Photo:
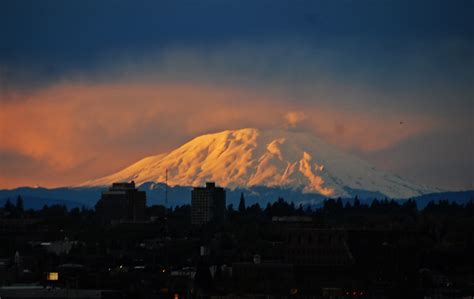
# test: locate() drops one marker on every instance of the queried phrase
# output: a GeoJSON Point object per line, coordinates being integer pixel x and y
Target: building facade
{"type": "Point", "coordinates": [270, 277]}
{"type": "Point", "coordinates": [122, 202]}
{"type": "Point", "coordinates": [207, 204]}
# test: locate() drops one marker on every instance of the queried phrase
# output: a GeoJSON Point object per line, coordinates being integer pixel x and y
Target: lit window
{"type": "Point", "coordinates": [52, 276]}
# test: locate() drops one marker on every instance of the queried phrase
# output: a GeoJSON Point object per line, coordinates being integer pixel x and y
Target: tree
{"type": "Point", "coordinates": [330, 205]}
{"type": "Point", "coordinates": [8, 207]}
{"type": "Point", "coordinates": [281, 208]}
{"type": "Point", "coordinates": [356, 203]}
{"type": "Point", "coordinates": [19, 205]}
{"type": "Point", "coordinates": [339, 204]}
{"type": "Point", "coordinates": [300, 210]}
{"type": "Point", "coordinates": [255, 210]}
{"type": "Point", "coordinates": [268, 210]}
{"type": "Point", "coordinates": [375, 205]}
{"type": "Point", "coordinates": [410, 206]}
{"type": "Point", "coordinates": [242, 203]}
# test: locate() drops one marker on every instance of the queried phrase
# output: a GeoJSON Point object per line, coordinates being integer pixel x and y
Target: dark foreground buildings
{"type": "Point", "coordinates": [304, 261]}
{"type": "Point", "coordinates": [385, 250]}
{"type": "Point", "coordinates": [207, 204]}
{"type": "Point", "coordinates": [122, 203]}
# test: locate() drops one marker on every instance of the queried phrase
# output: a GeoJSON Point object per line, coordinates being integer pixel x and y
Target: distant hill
{"type": "Point", "coordinates": [37, 203]}
{"type": "Point", "coordinates": [37, 197]}
{"type": "Point", "coordinates": [460, 197]}
{"type": "Point", "coordinates": [179, 195]}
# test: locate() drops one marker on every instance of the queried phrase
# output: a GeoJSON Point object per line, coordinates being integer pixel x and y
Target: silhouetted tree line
{"type": "Point", "coordinates": [337, 206]}
{"type": "Point", "coordinates": [16, 210]}
{"type": "Point", "coordinates": [281, 207]}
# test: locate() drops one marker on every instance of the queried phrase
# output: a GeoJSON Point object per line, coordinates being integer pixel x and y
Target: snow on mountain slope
{"type": "Point", "coordinates": [252, 157]}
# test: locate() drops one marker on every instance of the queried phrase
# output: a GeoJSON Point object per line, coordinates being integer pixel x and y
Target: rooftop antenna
{"type": "Point", "coordinates": [166, 206]}
{"type": "Point", "coordinates": [166, 187]}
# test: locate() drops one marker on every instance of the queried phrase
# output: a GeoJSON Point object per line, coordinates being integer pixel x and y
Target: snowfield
{"type": "Point", "coordinates": [273, 158]}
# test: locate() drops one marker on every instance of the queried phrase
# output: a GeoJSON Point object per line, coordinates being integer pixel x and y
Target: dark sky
{"type": "Point", "coordinates": [356, 69]}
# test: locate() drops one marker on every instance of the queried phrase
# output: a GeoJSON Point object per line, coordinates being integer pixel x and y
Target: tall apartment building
{"type": "Point", "coordinates": [207, 204]}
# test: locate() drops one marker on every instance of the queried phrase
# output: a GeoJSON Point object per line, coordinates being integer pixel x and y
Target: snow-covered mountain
{"type": "Point", "coordinates": [273, 158]}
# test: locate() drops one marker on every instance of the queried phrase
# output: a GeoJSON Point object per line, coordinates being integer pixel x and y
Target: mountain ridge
{"type": "Point", "coordinates": [273, 158]}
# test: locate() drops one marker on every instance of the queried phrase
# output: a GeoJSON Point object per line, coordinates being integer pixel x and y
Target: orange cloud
{"type": "Point", "coordinates": [81, 131]}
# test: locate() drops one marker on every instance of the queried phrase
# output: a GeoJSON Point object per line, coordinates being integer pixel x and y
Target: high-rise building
{"type": "Point", "coordinates": [207, 204]}
{"type": "Point", "coordinates": [122, 202]}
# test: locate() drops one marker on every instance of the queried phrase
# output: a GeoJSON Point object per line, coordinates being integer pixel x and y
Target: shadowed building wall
{"type": "Point", "coordinates": [207, 204]}
{"type": "Point", "coordinates": [122, 202]}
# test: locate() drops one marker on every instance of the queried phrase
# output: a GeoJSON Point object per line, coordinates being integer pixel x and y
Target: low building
{"type": "Point", "coordinates": [40, 292]}
{"type": "Point", "coordinates": [270, 277]}
{"type": "Point", "coordinates": [319, 247]}
{"type": "Point", "coordinates": [321, 258]}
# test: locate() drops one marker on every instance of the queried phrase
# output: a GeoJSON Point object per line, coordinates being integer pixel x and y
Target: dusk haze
{"type": "Point", "coordinates": [236, 149]}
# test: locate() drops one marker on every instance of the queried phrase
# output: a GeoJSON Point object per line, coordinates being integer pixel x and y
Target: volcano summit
{"type": "Point", "coordinates": [272, 158]}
